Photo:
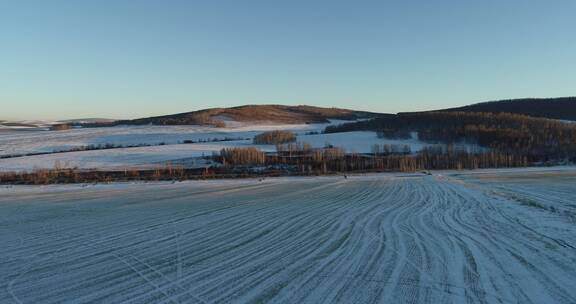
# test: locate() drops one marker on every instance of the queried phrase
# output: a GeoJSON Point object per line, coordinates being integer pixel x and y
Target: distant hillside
{"type": "Point", "coordinates": [276, 114]}
{"type": "Point", "coordinates": [556, 108]}
{"type": "Point", "coordinates": [87, 120]}
{"type": "Point", "coordinates": [24, 125]}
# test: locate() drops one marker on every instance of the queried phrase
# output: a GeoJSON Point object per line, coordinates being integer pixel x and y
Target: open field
{"type": "Point", "coordinates": [491, 236]}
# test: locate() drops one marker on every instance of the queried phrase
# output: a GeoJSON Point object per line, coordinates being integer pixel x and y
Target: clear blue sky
{"type": "Point", "coordinates": [122, 59]}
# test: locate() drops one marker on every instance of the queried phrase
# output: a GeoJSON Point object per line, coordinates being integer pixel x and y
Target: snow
{"type": "Point", "coordinates": [170, 136]}
{"type": "Point", "coordinates": [121, 158]}
{"type": "Point", "coordinates": [381, 238]}
{"type": "Point", "coordinates": [358, 141]}
{"type": "Point", "coordinates": [130, 135]}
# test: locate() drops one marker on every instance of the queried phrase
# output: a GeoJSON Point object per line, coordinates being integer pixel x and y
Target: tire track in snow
{"type": "Point", "coordinates": [375, 239]}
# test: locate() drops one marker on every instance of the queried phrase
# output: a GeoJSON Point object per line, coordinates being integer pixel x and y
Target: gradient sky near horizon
{"type": "Point", "coordinates": [125, 59]}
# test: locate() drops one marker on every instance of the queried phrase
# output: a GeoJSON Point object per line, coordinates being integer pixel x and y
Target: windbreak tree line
{"type": "Point", "coordinates": [302, 158]}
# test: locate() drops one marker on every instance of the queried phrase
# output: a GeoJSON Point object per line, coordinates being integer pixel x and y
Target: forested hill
{"type": "Point", "coordinates": [539, 139]}
{"type": "Point", "coordinates": [556, 108]}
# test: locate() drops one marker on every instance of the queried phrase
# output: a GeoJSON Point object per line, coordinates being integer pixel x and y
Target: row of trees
{"type": "Point", "coordinates": [331, 159]}
{"type": "Point", "coordinates": [241, 157]}
{"type": "Point", "coordinates": [204, 118]}
{"type": "Point", "coordinates": [74, 175]}
{"type": "Point", "coordinates": [387, 149]}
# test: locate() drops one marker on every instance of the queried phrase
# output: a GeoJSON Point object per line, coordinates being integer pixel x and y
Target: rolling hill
{"type": "Point", "coordinates": [563, 108]}
{"type": "Point", "coordinates": [276, 114]}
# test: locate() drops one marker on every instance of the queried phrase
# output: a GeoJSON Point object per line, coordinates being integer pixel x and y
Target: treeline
{"type": "Point", "coordinates": [76, 176]}
{"type": "Point", "coordinates": [301, 158]}
{"type": "Point", "coordinates": [91, 147]}
{"type": "Point", "coordinates": [555, 108]}
{"type": "Point", "coordinates": [215, 139]}
{"type": "Point", "coordinates": [537, 139]}
{"type": "Point", "coordinates": [274, 137]}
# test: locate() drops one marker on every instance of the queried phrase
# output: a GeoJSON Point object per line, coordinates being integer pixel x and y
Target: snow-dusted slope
{"type": "Point", "coordinates": [374, 239]}
{"type": "Point", "coordinates": [25, 125]}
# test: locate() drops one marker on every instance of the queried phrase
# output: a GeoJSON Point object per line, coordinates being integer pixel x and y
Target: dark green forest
{"type": "Point", "coordinates": [537, 139]}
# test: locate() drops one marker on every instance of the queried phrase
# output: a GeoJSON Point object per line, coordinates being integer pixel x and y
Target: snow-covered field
{"type": "Point", "coordinates": [503, 236]}
{"type": "Point", "coordinates": [143, 157]}
{"type": "Point", "coordinates": [26, 142]}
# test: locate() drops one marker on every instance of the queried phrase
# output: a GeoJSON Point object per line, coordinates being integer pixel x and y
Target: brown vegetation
{"type": "Point", "coordinates": [242, 157]}
{"type": "Point", "coordinates": [61, 175]}
{"type": "Point", "coordinates": [69, 176]}
{"type": "Point", "coordinates": [298, 157]}
{"type": "Point", "coordinates": [274, 137]}
{"type": "Point", "coordinates": [60, 127]}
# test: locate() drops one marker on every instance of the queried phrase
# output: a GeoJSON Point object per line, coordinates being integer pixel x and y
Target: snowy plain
{"type": "Point", "coordinates": [21, 142]}
{"type": "Point", "coordinates": [502, 236]}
